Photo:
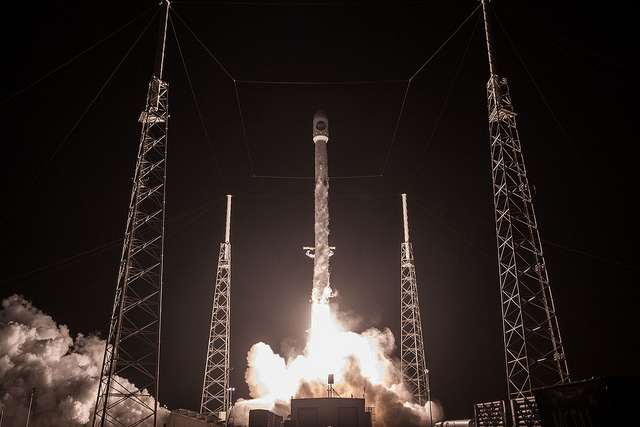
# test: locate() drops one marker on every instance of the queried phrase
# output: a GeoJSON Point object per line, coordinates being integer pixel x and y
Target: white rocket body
{"type": "Point", "coordinates": [321, 288]}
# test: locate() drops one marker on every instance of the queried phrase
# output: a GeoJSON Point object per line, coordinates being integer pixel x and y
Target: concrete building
{"type": "Point", "coordinates": [329, 411]}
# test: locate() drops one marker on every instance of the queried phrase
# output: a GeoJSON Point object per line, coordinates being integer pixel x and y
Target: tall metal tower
{"type": "Point", "coordinates": [128, 386]}
{"type": "Point", "coordinates": [414, 366]}
{"type": "Point", "coordinates": [533, 347]}
{"type": "Point", "coordinates": [215, 389]}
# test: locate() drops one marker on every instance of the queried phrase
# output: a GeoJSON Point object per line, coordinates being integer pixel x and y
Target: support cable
{"type": "Point", "coordinates": [239, 104]}
{"type": "Point", "coordinates": [90, 253]}
{"type": "Point", "coordinates": [75, 125]}
{"type": "Point", "coordinates": [320, 83]}
{"type": "Point", "coordinates": [553, 115]}
{"type": "Point", "coordinates": [400, 113]}
{"type": "Point", "coordinates": [450, 228]}
{"type": "Point", "coordinates": [244, 129]}
{"type": "Point", "coordinates": [446, 101]}
{"type": "Point", "coordinates": [29, 86]}
{"type": "Point", "coordinates": [404, 100]}
{"type": "Point", "coordinates": [204, 46]}
{"type": "Point", "coordinates": [242, 121]}
{"type": "Point", "coordinates": [526, 23]}
{"type": "Point", "coordinates": [195, 100]}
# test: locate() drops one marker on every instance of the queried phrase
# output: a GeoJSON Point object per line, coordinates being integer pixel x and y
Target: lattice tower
{"type": "Point", "coordinates": [129, 377]}
{"type": "Point", "coordinates": [215, 389]}
{"type": "Point", "coordinates": [534, 353]}
{"type": "Point", "coordinates": [413, 363]}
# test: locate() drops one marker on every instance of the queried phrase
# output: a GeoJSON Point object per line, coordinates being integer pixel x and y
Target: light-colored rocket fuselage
{"type": "Point", "coordinates": [321, 288]}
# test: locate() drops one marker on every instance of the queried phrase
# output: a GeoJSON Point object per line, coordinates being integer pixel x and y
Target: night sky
{"type": "Point", "coordinates": [407, 114]}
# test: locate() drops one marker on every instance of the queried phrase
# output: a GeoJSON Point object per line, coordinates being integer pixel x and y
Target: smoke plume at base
{"type": "Point", "coordinates": [361, 364]}
{"type": "Point", "coordinates": [39, 356]}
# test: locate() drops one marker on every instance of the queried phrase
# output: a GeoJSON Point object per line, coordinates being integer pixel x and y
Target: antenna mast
{"type": "Point", "coordinates": [413, 363]}
{"type": "Point", "coordinates": [130, 369]}
{"type": "Point", "coordinates": [215, 397]}
{"type": "Point", "coordinates": [533, 348]}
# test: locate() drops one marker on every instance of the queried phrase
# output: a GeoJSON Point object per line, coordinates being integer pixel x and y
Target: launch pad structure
{"type": "Point", "coordinates": [533, 348]}
{"type": "Point", "coordinates": [215, 389]}
{"type": "Point", "coordinates": [415, 374]}
{"type": "Point", "coordinates": [132, 351]}
{"type": "Point", "coordinates": [534, 353]}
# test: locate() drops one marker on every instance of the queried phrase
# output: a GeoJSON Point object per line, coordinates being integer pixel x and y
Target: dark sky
{"type": "Point", "coordinates": [70, 142]}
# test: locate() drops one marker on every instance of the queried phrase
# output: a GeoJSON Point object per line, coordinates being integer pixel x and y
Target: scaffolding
{"type": "Point", "coordinates": [415, 374]}
{"type": "Point", "coordinates": [215, 388]}
{"type": "Point", "coordinates": [533, 348]}
{"type": "Point", "coordinates": [128, 385]}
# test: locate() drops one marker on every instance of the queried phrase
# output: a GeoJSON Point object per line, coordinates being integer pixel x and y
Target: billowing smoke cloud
{"type": "Point", "coordinates": [362, 366]}
{"type": "Point", "coordinates": [39, 356]}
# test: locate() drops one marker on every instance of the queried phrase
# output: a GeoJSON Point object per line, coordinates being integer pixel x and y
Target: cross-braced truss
{"type": "Point", "coordinates": [533, 348]}
{"type": "Point", "coordinates": [128, 386]}
{"type": "Point", "coordinates": [414, 366]}
{"type": "Point", "coordinates": [216, 377]}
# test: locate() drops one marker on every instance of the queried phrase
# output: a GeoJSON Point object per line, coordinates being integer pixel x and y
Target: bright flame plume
{"type": "Point", "coordinates": [361, 364]}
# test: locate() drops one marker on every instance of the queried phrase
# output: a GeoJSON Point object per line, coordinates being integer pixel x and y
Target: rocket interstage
{"type": "Point", "coordinates": [321, 287]}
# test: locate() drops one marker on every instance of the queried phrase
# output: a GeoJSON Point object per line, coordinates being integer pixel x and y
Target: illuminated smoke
{"type": "Point", "coordinates": [361, 364]}
{"type": "Point", "coordinates": [38, 354]}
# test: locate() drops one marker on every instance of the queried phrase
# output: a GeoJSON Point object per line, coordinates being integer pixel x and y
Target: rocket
{"type": "Point", "coordinates": [321, 288]}
{"type": "Point", "coordinates": [320, 127]}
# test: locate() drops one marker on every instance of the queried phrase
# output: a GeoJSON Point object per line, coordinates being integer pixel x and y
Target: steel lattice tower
{"type": "Point", "coordinates": [413, 363]}
{"type": "Point", "coordinates": [533, 347]}
{"type": "Point", "coordinates": [215, 389]}
{"type": "Point", "coordinates": [128, 386]}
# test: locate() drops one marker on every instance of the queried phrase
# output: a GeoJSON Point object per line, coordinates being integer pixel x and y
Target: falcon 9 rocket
{"type": "Point", "coordinates": [321, 287]}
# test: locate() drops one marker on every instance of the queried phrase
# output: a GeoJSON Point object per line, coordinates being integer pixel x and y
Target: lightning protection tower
{"type": "Point", "coordinates": [414, 366]}
{"type": "Point", "coordinates": [215, 389]}
{"type": "Point", "coordinates": [128, 386]}
{"type": "Point", "coordinates": [533, 347]}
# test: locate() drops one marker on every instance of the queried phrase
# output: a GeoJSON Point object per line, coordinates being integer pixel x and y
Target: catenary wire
{"type": "Point", "coordinates": [404, 100]}
{"type": "Point", "coordinates": [90, 253]}
{"type": "Point", "coordinates": [444, 105]}
{"type": "Point", "coordinates": [195, 100]}
{"type": "Point", "coordinates": [75, 125]}
{"type": "Point", "coordinates": [58, 68]}
{"type": "Point", "coordinates": [553, 115]}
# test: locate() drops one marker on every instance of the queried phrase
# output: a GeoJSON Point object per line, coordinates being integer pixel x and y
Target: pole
{"type": "Point", "coordinates": [33, 390]}
{"type": "Point", "coordinates": [230, 390]}
{"type": "Point", "coordinates": [429, 398]}
{"type": "Point", "coordinates": [228, 228]}
{"type": "Point", "coordinates": [405, 217]}
{"type": "Point", "coordinates": [486, 31]}
{"type": "Point", "coordinates": [162, 39]}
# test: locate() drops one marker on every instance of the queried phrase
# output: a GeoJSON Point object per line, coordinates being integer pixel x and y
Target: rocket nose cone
{"type": "Point", "coordinates": [320, 114]}
{"type": "Point", "coordinates": [320, 126]}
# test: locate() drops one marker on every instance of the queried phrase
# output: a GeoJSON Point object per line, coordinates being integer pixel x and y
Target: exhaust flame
{"type": "Point", "coordinates": [361, 364]}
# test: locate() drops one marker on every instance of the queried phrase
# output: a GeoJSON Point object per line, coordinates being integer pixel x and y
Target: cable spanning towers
{"type": "Point", "coordinates": [215, 389]}
{"type": "Point", "coordinates": [132, 352]}
{"type": "Point", "coordinates": [414, 366]}
{"type": "Point", "coordinates": [533, 347]}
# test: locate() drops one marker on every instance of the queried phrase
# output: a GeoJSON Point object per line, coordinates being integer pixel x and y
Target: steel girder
{"type": "Point", "coordinates": [215, 396]}
{"type": "Point", "coordinates": [413, 363]}
{"type": "Point", "coordinates": [128, 386]}
{"type": "Point", "coordinates": [533, 347]}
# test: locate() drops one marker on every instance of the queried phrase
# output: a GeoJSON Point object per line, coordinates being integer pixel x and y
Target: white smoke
{"type": "Point", "coordinates": [38, 355]}
{"type": "Point", "coordinates": [362, 365]}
